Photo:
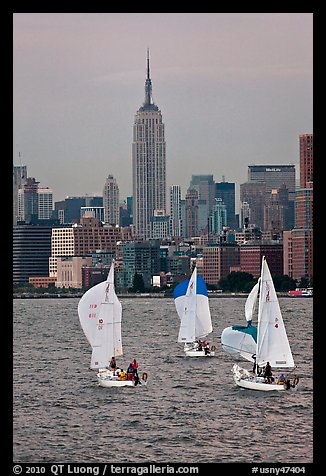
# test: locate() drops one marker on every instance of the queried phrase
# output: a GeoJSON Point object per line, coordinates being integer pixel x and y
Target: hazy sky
{"type": "Point", "coordinates": [235, 89]}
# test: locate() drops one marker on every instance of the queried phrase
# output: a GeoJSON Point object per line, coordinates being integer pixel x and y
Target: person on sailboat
{"type": "Point", "coordinates": [113, 364]}
{"type": "Point", "coordinates": [130, 372]}
{"type": "Point", "coordinates": [281, 380]}
{"type": "Point", "coordinates": [200, 345]}
{"type": "Point", "coordinates": [268, 372]}
{"type": "Point", "coordinates": [134, 365]}
{"type": "Point", "coordinates": [206, 348]}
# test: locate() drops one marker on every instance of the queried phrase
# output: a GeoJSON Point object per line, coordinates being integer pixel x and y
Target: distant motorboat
{"type": "Point", "coordinates": [301, 292]}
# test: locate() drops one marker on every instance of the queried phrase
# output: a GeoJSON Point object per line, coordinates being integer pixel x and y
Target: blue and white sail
{"type": "Point", "coordinates": [192, 305]}
{"type": "Point", "coordinates": [242, 340]}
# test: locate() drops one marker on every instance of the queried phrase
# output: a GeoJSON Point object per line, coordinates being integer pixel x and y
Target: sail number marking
{"type": "Point", "coordinates": [92, 314]}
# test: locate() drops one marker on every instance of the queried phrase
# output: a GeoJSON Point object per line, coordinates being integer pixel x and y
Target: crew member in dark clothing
{"type": "Point", "coordinates": [268, 372]}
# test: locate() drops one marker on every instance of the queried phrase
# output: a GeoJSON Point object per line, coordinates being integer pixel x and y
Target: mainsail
{"type": "Point", "coordinates": [100, 314]}
{"type": "Point", "coordinates": [192, 305]}
{"type": "Point", "coordinates": [272, 342]}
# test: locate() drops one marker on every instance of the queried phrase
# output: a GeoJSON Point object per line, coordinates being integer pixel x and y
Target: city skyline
{"type": "Point", "coordinates": [235, 90]}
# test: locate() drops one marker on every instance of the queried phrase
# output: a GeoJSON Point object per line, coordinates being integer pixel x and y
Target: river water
{"type": "Point", "coordinates": [189, 412]}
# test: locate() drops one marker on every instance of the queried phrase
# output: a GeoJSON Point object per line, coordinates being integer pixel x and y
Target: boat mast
{"type": "Point", "coordinates": [259, 312]}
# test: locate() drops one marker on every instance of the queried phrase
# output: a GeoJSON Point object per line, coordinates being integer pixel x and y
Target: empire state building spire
{"type": "Point", "coordinates": [148, 103]}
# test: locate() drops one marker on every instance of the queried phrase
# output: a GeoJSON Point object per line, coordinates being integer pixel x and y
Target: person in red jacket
{"type": "Point", "coordinates": [135, 366]}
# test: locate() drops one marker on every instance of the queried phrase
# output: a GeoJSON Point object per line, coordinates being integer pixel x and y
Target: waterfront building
{"type": "Point", "coordinates": [251, 254]}
{"type": "Point", "coordinates": [148, 163]}
{"type": "Point", "coordinates": [141, 257]}
{"type": "Point", "coordinates": [42, 281]}
{"type": "Point", "coordinates": [31, 251]}
{"type": "Point", "coordinates": [218, 261]}
{"type": "Point", "coordinates": [300, 242]}
{"type": "Point", "coordinates": [84, 239]}
{"type": "Point", "coordinates": [69, 273]}
{"type": "Point", "coordinates": [111, 201]}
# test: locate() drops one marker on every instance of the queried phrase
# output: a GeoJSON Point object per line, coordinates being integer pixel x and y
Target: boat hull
{"type": "Point", "coordinates": [107, 382]}
{"type": "Point", "coordinates": [107, 378]}
{"type": "Point", "coordinates": [254, 385]}
{"type": "Point", "coordinates": [243, 379]}
{"type": "Point", "coordinates": [198, 353]}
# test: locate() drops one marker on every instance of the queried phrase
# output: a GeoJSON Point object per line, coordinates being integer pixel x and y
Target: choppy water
{"type": "Point", "coordinates": [190, 412]}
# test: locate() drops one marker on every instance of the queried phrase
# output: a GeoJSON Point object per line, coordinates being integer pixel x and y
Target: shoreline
{"type": "Point", "coordinates": [140, 295]}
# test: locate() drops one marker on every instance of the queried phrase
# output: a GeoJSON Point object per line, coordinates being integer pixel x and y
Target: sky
{"type": "Point", "coordinates": [234, 89]}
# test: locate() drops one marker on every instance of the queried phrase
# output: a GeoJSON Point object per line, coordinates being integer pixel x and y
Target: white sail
{"type": "Point", "coordinates": [272, 342]}
{"type": "Point", "coordinates": [191, 302]}
{"type": "Point", "coordinates": [100, 315]}
{"type": "Point", "coordinates": [251, 301]}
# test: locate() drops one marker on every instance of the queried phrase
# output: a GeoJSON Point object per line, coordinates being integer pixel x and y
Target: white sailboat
{"type": "Point", "coordinates": [242, 340]}
{"type": "Point", "coordinates": [272, 341]}
{"type": "Point", "coordinates": [191, 302]}
{"type": "Point", "coordinates": [100, 314]}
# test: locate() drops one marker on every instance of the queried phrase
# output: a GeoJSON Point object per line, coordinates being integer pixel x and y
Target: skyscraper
{"type": "Point", "coordinates": [175, 211]}
{"type": "Point", "coordinates": [226, 191]}
{"type": "Point", "coordinates": [19, 179]}
{"type": "Point", "coordinates": [111, 201]}
{"type": "Point", "coordinates": [148, 163]}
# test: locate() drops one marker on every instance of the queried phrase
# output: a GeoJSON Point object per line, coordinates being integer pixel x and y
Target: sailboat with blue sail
{"type": "Point", "coordinates": [192, 305]}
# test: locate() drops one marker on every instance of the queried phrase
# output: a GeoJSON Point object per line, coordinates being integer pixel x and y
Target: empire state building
{"type": "Point", "coordinates": [148, 164]}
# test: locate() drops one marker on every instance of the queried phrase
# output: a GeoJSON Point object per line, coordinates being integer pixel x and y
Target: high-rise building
{"type": "Point", "coordinates": [218, 217]}
{"type": "Point", "coordinates": [205, 186]}
{"type": "Point", "coordinates": [191, 213]}
{"type": "Point", "coordinates": [274, 176]}
{"type": "Point", "coordinates": [252, 194]}
{"type": "Point", "coordinates": [45, 203]}
{"type": "Point", "coordinates": [19, 179]}
{"type": "Point", "coordinates": [111, 201]}
{"type": "Point", "coordinates": [31, 251]}
{"type": "Point", "coordinates": [301, 239]}
{"type": "Point", "coordinates": [306, 159]}
{"type": "Point", "coordinates": [28, 201]}
{"type": "Point", "coordinates": [226, 192]}
{"type": "Point", "coordinates": [175, 211]}
{"type": "Point", "coordinates": [148, 163]}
